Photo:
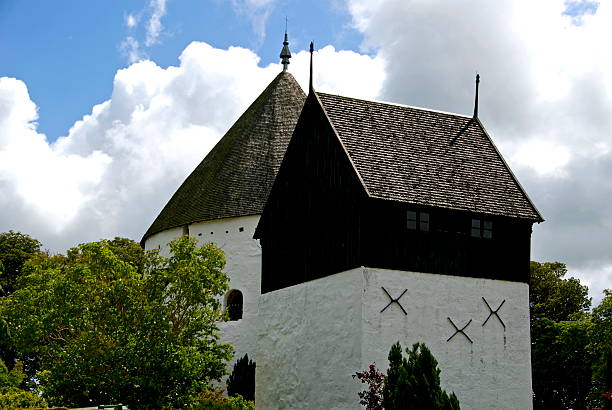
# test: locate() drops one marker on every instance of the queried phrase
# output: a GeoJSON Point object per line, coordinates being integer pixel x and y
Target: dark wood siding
{"type": "Point", "coordinates": [310, 225]}
{"type": "Point", "coordinates": [318, 221]}
{"type": "Point", "coordinates": [447, 247]}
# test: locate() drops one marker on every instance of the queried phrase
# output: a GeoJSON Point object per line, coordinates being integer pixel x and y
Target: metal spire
{"type": "Point", "coordinates": [285, 54]}
{"type": "Point", "coordinates": [476, 99]}
{"type": "Point", "coordinates": [310, 85]}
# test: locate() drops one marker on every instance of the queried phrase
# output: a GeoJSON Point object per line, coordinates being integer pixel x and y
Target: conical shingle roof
{"type": "Point", "coordinates": [236, 176]}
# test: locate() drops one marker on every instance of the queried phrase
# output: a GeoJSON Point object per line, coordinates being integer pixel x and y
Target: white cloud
{"type": "Point", "coordinates": [131, 20]}
{"type": "Point", "coordinates": [118, 166]}
{"type": "Point", "coordinates": [545, 97]}
{"type": "Point", "coordinates": [258, 12]}
{"type": "Point", "coordinates": [131, 49]}
{"type": "Point", "coordinates": [154, 26]}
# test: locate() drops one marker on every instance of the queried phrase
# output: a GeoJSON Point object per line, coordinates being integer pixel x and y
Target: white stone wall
{"type": "Point", "coordinates": [243, 255]}
{"type": "Point", "coordinates": [313, 336]}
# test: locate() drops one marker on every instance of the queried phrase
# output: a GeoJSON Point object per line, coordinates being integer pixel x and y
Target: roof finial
{"type": "Point", "coordinates": [285, 54]}
{"type": "Point", "coordinates": [310, 85]}
{"type": "Point", "coordinates": [476, 99]}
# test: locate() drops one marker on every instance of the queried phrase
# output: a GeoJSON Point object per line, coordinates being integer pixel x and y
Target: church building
{"type": "Point", "coordinates": [349, 225]}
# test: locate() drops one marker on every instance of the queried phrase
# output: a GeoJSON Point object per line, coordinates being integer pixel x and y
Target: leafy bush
{"type": "Point", "coordinates": [214, 400]}
{"type": "Point", "coordinates": [414, 382]}
{"type": "Point", "coordinates": [242, 380]}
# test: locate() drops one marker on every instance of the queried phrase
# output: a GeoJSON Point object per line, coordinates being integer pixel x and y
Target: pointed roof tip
{"type": "Point", "coordinates": [310, 84]}
{"type": "Point", "coordinates": [285, 54]}
{"type": "Point", "coordinates": [235, 177]}
{"type": "Point", "coordinates": [476, 97]}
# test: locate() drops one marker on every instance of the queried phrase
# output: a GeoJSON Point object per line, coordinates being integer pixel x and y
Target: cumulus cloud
{"type": "Point", "coordinates": [118, 166]}
{"type": "Point", "coordinates": [545, 96]}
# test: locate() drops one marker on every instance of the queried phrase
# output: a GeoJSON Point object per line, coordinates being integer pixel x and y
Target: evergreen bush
{"type": "Point", "coordinates": [414, 382]}
{"type": "Point", "coordinates": [242, 380]}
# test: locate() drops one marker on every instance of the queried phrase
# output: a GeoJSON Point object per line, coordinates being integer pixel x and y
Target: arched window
{"type": "Point", "coordinates": [233, 304]}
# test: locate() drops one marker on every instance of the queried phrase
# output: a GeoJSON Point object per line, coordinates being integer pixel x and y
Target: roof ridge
{"type": "Point", "coordinates": [397, 105]}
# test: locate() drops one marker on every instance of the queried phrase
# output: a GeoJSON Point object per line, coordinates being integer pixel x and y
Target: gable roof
{"type": "Point", "coordinates": [426, 157]}
{"type": "Point", "coordinates": [236, 176]}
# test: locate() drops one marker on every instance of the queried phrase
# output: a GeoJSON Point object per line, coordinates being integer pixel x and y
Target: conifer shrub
{"type": "Point", "coordinates": [413, 382]}
{"type": "Point", "coordinates": [242, 380]}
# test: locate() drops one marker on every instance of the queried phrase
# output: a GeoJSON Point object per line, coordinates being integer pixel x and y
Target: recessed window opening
{"type": "Point", "coordinates": [482, 228]}
{"type": "Point", "coordinates": [418, 221]}
{"type": "Point", "coordinates": [233, 304]}
{"type": "Point", "coordinates": [241, 229]}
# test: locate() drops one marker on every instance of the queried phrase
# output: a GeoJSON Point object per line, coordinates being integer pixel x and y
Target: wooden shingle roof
{"type": "Point", "coordinates": [426, 158]}
{"type": "Point", "coordinates": [236, 176]}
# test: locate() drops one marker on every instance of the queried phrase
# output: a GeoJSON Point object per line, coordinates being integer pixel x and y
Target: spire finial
{"type": "Point", "coordinates": [285, 54]}
{"type": "Point", "coordinates": [310, 85]}
{"type": "Point", "coordinates": [476, 98]}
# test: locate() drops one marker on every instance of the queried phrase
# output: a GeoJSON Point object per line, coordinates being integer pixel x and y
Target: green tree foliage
{"type": "Point", "coordinates": [561, 364]}
{"type": "Point", "coordinates": [601, 345]}
{"type": "Point", "coordinates": [242, 380]}
{"type": "Point", "coordinates": [553, 297]}
{"type": "Point", "coordinates": [414, 382]}
{"type": "Point", "coordinates": [11, 397]}
{"type": "Point", "coordinates": [568, 344]}
{"type": "Point", "coordinates": [15, 249]}
{"type": "Point", "coordinates": [111, 323]}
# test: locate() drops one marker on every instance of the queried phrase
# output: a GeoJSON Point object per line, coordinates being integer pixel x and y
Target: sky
{"type": "Point", "coordinates": [106, 106]}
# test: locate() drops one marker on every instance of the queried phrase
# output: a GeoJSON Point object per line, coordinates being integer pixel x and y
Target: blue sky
{"type": "Point", "coordinates": [106, 106]}
{"type": "Point", "coordinates": [68, 51]}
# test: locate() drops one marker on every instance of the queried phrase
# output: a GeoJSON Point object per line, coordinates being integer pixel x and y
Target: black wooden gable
{"type": "Point", "coordinates": [387, 186]}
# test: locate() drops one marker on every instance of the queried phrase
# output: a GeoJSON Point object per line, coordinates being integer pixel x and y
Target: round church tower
{"type": "Point", "coordinates": [221, 201]}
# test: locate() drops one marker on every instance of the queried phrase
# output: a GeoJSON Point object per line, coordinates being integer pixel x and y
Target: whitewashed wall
{"type": "Point", "coordinates": [243, 255]}
{"type": "Point", "coordinates": [313, 336]}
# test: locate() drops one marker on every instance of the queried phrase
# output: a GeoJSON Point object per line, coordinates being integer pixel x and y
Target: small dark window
{"type": "Point", "coordinates": [482, 228]}
{"type": "Point", "coordinates": [418, 221]}
{"type": "Point", "coordinates": [476, 228]}
{"type": "Point", "coordinates": [424, 221]}
{"type": "Point", "coordinates": [185, 230]}
{"type": "Point", "coordinates": [412, 220]}
{"type": "Point", "coordinates": [241, 229]}
{"type": "Point", "coordinates": [487, 231]}
{"type": "Point", "coordinates": [234, 304]}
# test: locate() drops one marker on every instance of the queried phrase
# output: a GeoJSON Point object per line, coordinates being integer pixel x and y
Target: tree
{"type": "Point", "coordinates": [111, 323]}
{"type": "Point", "coordinates": [564, 344]}
{"type": "Point", "coordinates": [553, 297]}
{"type": "Point", "coordinates": [561, 364]}
{"type": "Point", "coordinates": [11, 397]}
{"type": "Point", "coordinates": [372, 398]}
{"type": "Point", "coordinates": [242, 380]}
{"type": "Point", "coordinates": [601, 345]}
{"type": "Point", "coordinates": [15, 249]}
{"type": "Point", "coordinates": [414, 382]}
